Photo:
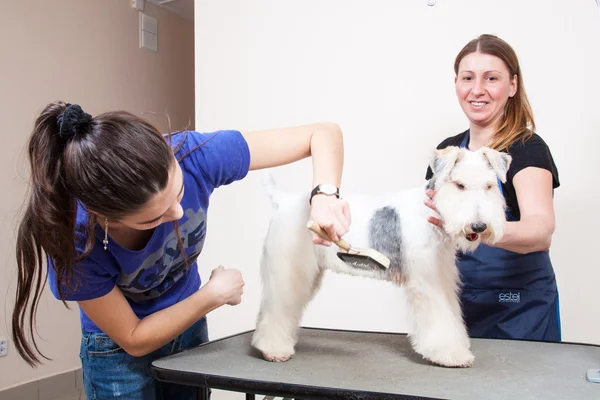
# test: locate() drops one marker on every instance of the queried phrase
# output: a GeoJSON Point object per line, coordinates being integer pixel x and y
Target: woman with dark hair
{"type": "Point", "coordinates": [119, 214]}
{"type": "Point", "coordinates": [509, 290]}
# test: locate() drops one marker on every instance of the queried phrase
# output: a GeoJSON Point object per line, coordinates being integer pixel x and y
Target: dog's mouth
{"type": "Point", "coordinates": [471, 237]}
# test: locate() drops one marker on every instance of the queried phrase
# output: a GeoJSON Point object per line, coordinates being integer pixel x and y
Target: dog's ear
{"type": "Point", "coordinates": [443, 161]}
{"type": "Point", "coordinates": [498, 161]}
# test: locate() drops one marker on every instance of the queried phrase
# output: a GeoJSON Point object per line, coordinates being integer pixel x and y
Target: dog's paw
{"type": "Point", "coordinates": [273, 355]}
{"type": "Point", "coordinates": [276, 357]}
{"type": "Point", "coordinates": [273, 349]}
{"type": "Point", "coordinates": [457, 358]}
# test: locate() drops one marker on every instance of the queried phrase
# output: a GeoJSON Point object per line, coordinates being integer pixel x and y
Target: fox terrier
{"type": "Point", "coordinates": [422, 255]}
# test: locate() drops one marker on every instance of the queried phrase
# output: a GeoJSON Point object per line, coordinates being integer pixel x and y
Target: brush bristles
{"type": "Point", "coordinates": [361, 262]}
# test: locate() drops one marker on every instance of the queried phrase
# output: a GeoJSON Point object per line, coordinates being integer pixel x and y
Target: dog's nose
{"type": "Point", "coordinates": [478, 227]}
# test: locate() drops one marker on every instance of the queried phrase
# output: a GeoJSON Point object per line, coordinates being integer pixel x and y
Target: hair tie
{"type": "Point", "coordinates": [72, 121]}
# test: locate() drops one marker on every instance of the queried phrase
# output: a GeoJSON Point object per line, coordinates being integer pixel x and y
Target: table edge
{"type": "Point", "coordinates": [269, 388]}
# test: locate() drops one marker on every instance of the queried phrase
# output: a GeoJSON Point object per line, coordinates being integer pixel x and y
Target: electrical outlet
{"type": "Point", "coordinates": [3, 347]}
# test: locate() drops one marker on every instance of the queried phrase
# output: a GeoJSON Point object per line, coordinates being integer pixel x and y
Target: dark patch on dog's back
{"type": "Point", "coordinates": [384, 235]}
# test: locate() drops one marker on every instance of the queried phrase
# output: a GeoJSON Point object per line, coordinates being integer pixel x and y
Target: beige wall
{"type": "Point", "coordinates": [86, 52]}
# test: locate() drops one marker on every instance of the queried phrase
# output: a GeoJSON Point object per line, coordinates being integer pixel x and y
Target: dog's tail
{"type": "Point", "coordinates": [271, 188]}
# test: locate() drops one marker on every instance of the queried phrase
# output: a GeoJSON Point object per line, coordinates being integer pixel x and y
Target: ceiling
{"type": "Point", "coordinates": [185, 8]}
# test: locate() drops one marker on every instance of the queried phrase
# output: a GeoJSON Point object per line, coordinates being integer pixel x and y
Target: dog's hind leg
{"type": "Point", "coordinates": [291, 277]}
{"type": "Point", "coordinates": [438, 332]}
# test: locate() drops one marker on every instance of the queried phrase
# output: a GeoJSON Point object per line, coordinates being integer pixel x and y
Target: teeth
{"type": "Point", "coordinates": [478, 103]}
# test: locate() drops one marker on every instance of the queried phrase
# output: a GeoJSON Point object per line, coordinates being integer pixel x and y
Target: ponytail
{"type": "Point", "coordinates": [48, 224]}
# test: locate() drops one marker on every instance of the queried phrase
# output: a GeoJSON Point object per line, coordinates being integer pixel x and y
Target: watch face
{"type": "Point", "coordinates": [328, 189]}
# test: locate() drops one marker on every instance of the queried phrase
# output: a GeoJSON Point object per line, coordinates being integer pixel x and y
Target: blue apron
{"type": "Point", "coordinates": [508, 295]}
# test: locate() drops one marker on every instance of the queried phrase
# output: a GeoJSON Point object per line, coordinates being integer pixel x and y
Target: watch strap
{"type": "Point", "coordinates": [327, 189]}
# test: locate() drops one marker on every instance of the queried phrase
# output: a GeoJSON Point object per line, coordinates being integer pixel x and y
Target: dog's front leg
{"type": "Point", "coordinates": [438, 332]}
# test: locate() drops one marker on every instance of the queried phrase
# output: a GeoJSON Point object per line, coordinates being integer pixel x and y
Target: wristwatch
{"type": "Point", "coordinates": [325, 188]}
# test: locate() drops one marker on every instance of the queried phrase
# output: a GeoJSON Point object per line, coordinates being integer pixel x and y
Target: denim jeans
{"type": "Point", "coordinates": [109, 372]}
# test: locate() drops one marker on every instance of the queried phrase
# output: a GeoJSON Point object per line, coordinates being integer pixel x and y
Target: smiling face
{"type": "Point", "coordinates": [483, 87]}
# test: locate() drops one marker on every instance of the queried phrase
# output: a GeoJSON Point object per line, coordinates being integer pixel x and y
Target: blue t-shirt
{"type": "Point", "coordinates": [155, 277]}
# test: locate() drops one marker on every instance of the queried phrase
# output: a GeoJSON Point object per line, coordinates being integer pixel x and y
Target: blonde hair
{"type": "Point", "coordinates": [517, 121]}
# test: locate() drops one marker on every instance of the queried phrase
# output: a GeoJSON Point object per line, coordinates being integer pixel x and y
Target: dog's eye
{"type": "Point", "coordinates": [460, 185]}
{"type": "Point", "coordinates": [489, 186]}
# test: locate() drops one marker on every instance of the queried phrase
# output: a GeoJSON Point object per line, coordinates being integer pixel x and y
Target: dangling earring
{"type": "Point", "coordinates": [105, 241]}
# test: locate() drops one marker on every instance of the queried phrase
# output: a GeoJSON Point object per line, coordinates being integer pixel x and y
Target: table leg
{"type": "Point", "coordinates": [204, 393]}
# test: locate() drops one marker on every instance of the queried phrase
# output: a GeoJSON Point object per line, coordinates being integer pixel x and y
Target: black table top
{"type": "Point", "coordinates": [368, 365]}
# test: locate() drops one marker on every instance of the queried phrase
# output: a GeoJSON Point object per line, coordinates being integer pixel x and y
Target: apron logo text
{"type": "Point", "coordinates": [509, 297]}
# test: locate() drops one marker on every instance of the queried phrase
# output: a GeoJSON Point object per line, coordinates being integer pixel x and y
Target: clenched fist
{"type": "Point", "coordinates": [227, 285]}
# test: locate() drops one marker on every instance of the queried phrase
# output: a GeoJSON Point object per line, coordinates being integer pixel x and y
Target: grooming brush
{"type": "Point", "coordinates": [367, 259]}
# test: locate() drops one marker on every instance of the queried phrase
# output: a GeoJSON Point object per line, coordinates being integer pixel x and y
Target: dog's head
{"type": "Point", "coordinates": [467, 194]}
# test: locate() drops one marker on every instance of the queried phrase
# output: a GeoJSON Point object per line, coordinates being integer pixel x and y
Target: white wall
{"type": "Point", "coordinates": [382, 69]}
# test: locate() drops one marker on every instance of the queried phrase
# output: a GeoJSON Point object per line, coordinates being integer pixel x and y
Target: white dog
{"type": "Point", "coordinates": [422, 255]}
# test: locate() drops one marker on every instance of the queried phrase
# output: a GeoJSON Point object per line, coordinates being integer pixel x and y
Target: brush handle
{"type": "Point", "coordinates": [313, 226]}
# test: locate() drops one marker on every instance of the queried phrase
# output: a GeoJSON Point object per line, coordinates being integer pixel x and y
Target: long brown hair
{"type": "Point", "coordinates": [112, 164]}
{"type": "Point", "coordinates": [517, 121]}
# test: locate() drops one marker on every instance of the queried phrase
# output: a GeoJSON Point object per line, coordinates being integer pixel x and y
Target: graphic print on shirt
{"type": "Point", "coordinates": [163, 268]}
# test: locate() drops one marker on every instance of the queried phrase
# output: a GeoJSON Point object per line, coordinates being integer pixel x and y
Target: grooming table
{"type": "Point", "coordinates": [335, 364]}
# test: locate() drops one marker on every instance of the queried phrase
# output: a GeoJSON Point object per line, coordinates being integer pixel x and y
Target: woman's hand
{"type": "Point", "coordinates": [332, 215]}
{"type": "Point", "coordinates": [429, 203]}
{"type": "Point", "coordinates": [226, 285]}
{"type": "Point", "coordinates": [534, 230]}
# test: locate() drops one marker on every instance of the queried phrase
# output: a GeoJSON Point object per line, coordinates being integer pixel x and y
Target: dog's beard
{"type": "Point", "coordinates": [458, 218]}
{"type": "Point", "coordinates": [492, 235]}
{"type": "Point", "coordinates": [467, 245]}
{"type": "Point", "coordinates": [467, 241]}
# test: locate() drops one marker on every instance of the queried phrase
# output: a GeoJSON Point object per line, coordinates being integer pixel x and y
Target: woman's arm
{"type": "Point", "coordinates": [324, 143]}
{"type": "Point", "coordinates": [533, 232]}
{"type": "Point", "coordinates": [113, 314]}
